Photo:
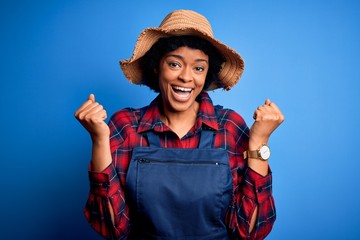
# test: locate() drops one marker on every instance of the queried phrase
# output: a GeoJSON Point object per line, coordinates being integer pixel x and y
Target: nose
{"type": "Point", "coordinates": [186, 74]}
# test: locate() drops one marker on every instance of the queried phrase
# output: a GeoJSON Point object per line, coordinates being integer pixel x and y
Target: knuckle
{"type": "Point", "coordinates": [88, 118]}
{"type": "Point", "coordinates": [81, 116]}
{"type": "Point", "coordinates": [260, 118]}
{"type": "Point", "coordinates": [279, 118]}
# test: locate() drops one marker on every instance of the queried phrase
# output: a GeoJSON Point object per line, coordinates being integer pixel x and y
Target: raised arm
{"type": "Point", "coordinates": [92, 116]}
{"type": "Point", "coordinates": [267, 118]}
{"type": "Point", "coordinates": [105, 209]}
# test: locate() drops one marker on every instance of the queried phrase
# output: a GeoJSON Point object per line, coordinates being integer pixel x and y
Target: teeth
{"type": "Point", "coordinates": [182, 89]}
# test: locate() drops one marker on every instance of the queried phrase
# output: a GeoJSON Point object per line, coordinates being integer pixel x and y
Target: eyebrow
{"type": "Point", "coordinates": [180, 57]}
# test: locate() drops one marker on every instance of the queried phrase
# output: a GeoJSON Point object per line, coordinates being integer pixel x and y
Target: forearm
{"type": "Point", "coordinates": [108, 215]}
{"type": "Point", "coordinates": [101, 159]}
{"type": "Point", "coordinates": [254, 207]}
{"type": "Point", "coordinates": [259, 166]}
{"type": "Point", "coordinates": [253, 219]}
{"type": "Point", "coordinates": [101, 154]}
{"type": "Point", "coordinates": [263, 218]}
{"type": "Point", "coordinates": [106, 210]}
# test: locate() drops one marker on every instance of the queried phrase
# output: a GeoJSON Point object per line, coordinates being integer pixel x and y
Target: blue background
{"type": "Point", "coordinates": [304, 55]}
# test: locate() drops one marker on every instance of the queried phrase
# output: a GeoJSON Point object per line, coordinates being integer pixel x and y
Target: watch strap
{"type": "Point", "coordinates": [251, 154]}
{"type": "Point", "coordinates": [255, 154]}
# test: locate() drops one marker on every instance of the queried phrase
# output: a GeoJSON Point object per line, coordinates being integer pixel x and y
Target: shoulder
{"type": "Point", "coordinates": [225, 116]}
{"type": "Point", "coordinates": [125, 116]}
{"type": "Point", "coordinates": [228, 117]}
{"type": "Point", "coordinates": [233, 133]}
{"type": "Point", "coordinates": [231, 123]}
{"type": "Point", "coordinates": [124, 122]}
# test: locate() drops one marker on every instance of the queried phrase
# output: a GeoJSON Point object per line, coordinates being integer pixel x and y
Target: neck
{"type": "Point", "coordinates": [180, 122]}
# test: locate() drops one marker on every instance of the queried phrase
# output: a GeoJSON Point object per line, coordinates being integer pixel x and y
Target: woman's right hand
{"type": "Point", "coordinates": [92, 116]}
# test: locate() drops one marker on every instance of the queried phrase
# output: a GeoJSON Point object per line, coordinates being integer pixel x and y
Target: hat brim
{"type": "Point", "coordinates": [231, 71]}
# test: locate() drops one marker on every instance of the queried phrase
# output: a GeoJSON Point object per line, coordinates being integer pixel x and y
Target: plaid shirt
{"type": "Point", "coordinates": [126, 126]}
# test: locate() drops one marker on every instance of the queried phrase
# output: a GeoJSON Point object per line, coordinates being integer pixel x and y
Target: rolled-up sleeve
{"type": "Point", "coordinates": [257, 187]}
{"type": "Point", "coordinates": [251, 190]}
{"type": "Point", "coordinates": [105, 193]}
{"type": "Point", "coordinates": [254, 191]}
{"type": "Point", "coordinates": [105, 183]}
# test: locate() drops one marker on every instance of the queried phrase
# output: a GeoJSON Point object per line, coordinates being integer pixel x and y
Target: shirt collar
{"type": "Point", "coordinates": [206, 115]}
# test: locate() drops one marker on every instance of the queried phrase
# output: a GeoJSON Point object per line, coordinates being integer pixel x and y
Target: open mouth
{"type": "Point", "coordinates": [182, 92]}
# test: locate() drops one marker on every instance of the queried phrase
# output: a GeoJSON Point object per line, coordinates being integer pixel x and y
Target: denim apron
{"type": "Point", "coordinates": [179, 193]}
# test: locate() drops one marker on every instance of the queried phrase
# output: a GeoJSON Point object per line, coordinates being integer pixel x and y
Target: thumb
{"type": "Point", "coordinates": [91, 97]}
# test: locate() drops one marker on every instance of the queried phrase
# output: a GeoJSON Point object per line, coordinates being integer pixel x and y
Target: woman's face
{"type": "Point", "coordinates": [182, 75]}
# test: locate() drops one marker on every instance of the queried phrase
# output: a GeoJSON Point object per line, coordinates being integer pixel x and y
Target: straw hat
{"type": "Point", "coordinates": [185, 22]}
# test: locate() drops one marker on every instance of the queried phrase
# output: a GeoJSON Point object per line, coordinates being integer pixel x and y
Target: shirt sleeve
{"type": "Point", "coordinates": [251, 190]}
{"type": "Point", "coordinates": [107, 193]}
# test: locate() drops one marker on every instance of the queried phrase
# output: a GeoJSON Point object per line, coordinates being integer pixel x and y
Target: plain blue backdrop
{"type": "Point", "coordinates": [304, 55]}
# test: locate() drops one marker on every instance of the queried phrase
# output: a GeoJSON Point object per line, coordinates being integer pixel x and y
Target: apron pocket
{"type": "Point", "coordinates": [181, 198]}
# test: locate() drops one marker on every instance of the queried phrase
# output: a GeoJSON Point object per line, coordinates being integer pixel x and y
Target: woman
{"type": "Point", "coordinates": [180, 168]}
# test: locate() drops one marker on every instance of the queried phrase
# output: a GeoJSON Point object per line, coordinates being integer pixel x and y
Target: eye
{"type": "Point", "coordinates": [199, 69]}
{"type": "Point", "coordinates": [174, 64]}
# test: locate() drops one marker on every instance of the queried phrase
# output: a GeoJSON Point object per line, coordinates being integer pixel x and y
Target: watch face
{"type": "Point", "coordinates": [265, 152]}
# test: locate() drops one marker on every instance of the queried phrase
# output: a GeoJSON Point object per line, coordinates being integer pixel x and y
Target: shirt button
{"type": "Point", "coordinates": [260, 189]}
{"type": "Point", "coordinates": [105, 185]}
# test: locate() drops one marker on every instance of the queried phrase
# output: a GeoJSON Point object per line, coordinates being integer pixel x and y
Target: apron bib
{"type": "Point", "coordinates": [179, 193]}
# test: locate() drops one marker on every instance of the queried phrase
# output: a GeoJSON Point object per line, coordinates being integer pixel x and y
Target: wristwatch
{"type": "Point", "coordinates": [263, 153]}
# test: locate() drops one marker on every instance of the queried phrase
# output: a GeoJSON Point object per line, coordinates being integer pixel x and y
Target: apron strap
{"type": "Point", "coordinates": [153, 138]}
{"type": "Point", "coordinates": [206, 139]}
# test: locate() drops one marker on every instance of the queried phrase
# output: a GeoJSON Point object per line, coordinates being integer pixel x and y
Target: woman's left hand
{"type": "Point", "coordinates": [267, 118]}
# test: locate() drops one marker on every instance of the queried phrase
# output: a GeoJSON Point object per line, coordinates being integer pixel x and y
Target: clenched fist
{"type": "Point", "coordinates": [267, 118]}
{"type": "Point", "coordinates": [92, 116]}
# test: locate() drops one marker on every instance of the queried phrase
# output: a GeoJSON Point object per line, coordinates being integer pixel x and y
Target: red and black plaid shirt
{"type": "Point", "coordinates": [250, 188]}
